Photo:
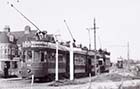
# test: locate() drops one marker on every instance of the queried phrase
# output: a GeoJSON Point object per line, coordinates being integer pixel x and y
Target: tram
{"type": "Point", "coordinates": [104, 61]}
{"type": "Point", "coordinates": [38, 59]}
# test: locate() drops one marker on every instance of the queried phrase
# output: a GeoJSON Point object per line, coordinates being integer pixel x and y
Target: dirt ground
{"type": "Point", "coordinates": [115, 79]}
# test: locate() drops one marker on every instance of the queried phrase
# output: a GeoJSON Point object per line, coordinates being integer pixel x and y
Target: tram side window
{"type": "Point", "coordinates": [23, 56]}
{"type": "Point", "coordinates": [60, 57]}
{"type": "Point", "coordinates": [79, 59]}
{"type": "Point", "coordinates": [29, 55]}
{"type": "Point", "coordinates": [42, 56]}
{"type": "Point", "coordinates": [51, 57]}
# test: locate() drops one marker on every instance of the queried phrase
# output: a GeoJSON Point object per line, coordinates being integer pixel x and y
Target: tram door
{"type": "Point", "coordinates": [67, 66]}
{"type": "Point", "coordinates": [88, 65]}
{"type": "Point", "coordinates": [43, 56]}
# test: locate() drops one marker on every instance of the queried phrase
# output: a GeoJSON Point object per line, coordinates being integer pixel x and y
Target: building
{"type": "Point", "coordinates": [8, 50]}
{"type": "Point", "coordinates": [11, 48]}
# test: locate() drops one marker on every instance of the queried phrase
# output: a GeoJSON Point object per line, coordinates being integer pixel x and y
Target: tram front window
{"type": "Point", "coordinates": [29, 55]}
{"type": "Point", "coordinates": [42, 56]}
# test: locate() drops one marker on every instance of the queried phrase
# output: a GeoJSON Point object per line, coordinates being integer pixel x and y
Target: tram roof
{"type": "Point", "coordinates": [44, 45]}
{"type": "Point", "coordinates": [49, 45]}
{"type": "Point", "coordinates": [79, 50]}
{"type": "Point", "coordinates": [8, 60]}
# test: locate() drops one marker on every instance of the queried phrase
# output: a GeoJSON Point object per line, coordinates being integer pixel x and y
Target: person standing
{"type": "Point", "coordinates": [6, 70]}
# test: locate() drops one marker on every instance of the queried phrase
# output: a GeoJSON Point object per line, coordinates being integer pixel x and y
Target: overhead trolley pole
{"type": "Point", "coordinates": [29, 22]}
{"type": "Point", "coordinates": [25, 17]}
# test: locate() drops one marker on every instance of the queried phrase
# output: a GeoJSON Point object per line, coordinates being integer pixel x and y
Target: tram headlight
{"type": "Point", "coordinates": [28, 70]}
{"type": "Point", "coordinates": [20, 72]}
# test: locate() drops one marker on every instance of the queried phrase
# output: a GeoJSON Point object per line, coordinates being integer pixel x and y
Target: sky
{"type": "Point", "coordinates": [118, 21]}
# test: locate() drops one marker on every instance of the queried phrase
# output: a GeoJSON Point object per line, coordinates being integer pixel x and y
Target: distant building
{"type": "Point", "coordinates": [11, 44]}
{"type": "Point", "coordinates": [8, 50]}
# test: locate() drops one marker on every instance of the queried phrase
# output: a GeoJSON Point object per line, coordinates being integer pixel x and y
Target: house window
{"type": "Point", "coordinates": [11, 38]}
{"type": "Point", "coordinates": [14, 65]}
{"type": "Point", "coordinates": [5, 51]}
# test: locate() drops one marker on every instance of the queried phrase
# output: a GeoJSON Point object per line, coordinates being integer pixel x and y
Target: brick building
{"type": "Point", "coordinates": [8, 50]}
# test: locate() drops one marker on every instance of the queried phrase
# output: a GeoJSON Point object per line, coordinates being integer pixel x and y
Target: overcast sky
{"type": "Point", "coordinates": [118, 21]}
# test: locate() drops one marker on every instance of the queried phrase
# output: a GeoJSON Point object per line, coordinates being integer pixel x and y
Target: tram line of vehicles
{"type": "Point", "coordinates": [38, 59]}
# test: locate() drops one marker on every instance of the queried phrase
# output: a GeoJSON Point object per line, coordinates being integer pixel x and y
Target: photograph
{"type": "Point", "coordinates": [69, 44]}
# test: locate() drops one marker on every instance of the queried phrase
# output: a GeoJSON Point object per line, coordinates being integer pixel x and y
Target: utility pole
{"type": "Point", "coordinates": [128, 63]}
{"type": "Point", "coordinates": [56, 63]}
{"type": "Point", "coordinates": [128, 51]}
{"type": "Point", "coordinates": [89, 38]}
{"type": "Point", "coordinates": [71, 53]}
{"type": "Point", "coordinates": [89, 48]}
{"type": "Point", "coordinates": [95, 56]}
{"type": "Point", "coordinates": [71, 62]}
{"type": "Point", "coordinates": [56, 58]}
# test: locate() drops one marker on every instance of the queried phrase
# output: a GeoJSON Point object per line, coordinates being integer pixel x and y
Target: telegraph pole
{"type": "Point", "coordinates": [89, 47]}
{"type": "Point", "coordinates": [56, 58]}
{"type": "Point", "coordinates": [128, 51]}
{"type": "Point", "coordinates": [94, 34]}
{"type": "Point", "coordinates": [95, 56]}
{"type": "Point", "coordinates": [71, 53]}
{"type": "Point", "coordinates": [56, 63]}
{"type": "Point", "coordinates": [89, 38]}
{"type": "Point", "coordinates": [71, 62]}
{"type": "Point", "coordinates": [128, 63]}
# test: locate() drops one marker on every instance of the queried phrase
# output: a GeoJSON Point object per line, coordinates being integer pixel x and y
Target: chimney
{"type": "Point", "coordinates": [6, 28]}
{"type": "Point", "coordinates": [27, 29]}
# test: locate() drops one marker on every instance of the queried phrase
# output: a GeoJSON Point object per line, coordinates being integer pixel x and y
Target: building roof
{"type": "Point", "coordinates": [4, 38]}
{"type": "Point", "coordinates": [21, 36]}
